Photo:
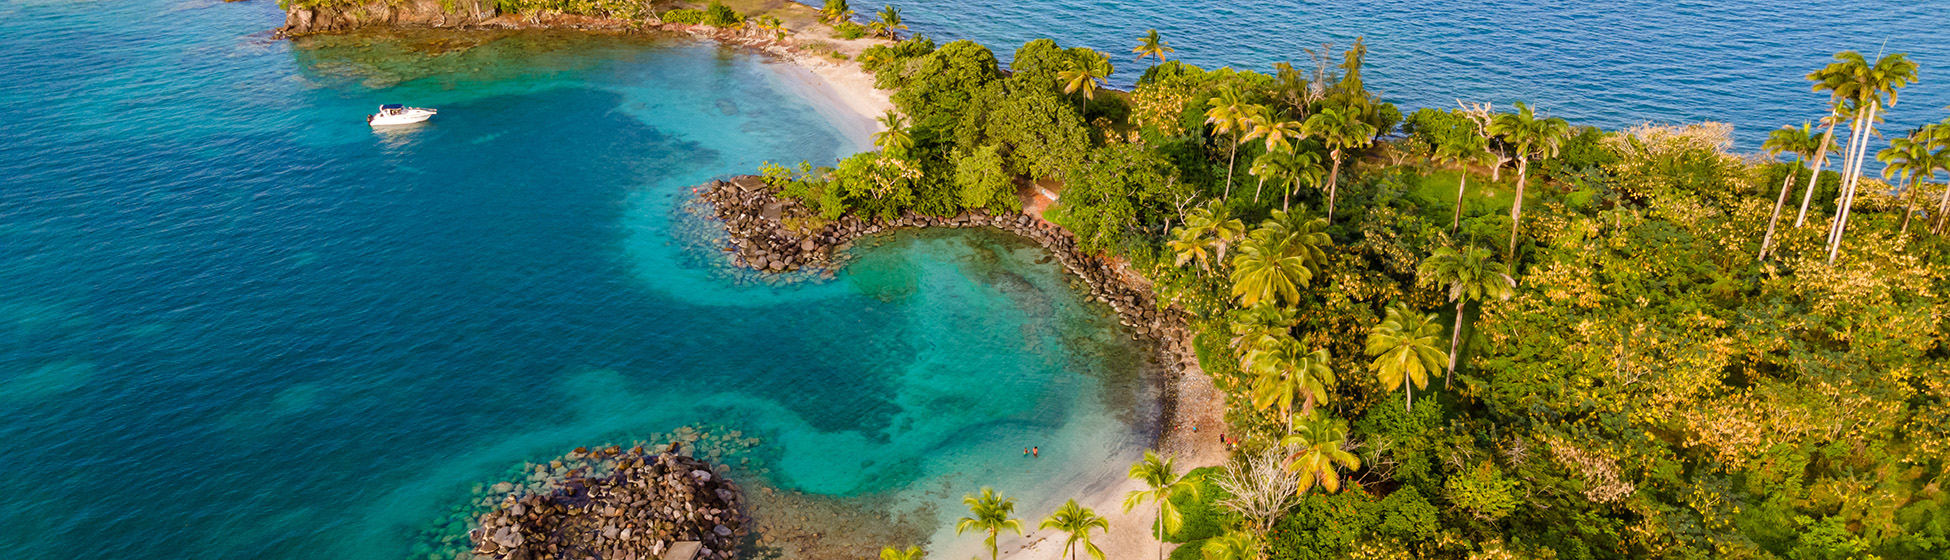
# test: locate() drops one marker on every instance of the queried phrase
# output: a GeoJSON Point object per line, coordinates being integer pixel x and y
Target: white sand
{"type": "Point", "coordinates": [840, 91]}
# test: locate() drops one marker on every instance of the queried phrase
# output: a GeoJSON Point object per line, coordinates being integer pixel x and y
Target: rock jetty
{"type": "Point", "coordinates": [617, 504]}
{"type": "Point", "coordinates": [774, 234]}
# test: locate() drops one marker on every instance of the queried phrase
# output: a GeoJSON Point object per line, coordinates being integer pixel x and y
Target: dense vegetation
{"type": "Point", "coordinates": [1467, 333]}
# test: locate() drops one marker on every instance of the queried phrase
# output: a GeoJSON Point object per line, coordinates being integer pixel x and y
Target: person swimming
{"type": "Point", "coordinates": [1036, 452]}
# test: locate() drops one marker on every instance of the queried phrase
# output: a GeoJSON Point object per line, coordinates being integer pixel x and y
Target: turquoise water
{"type": "Point", "coordinates": [237, 323]}
{"type": "Point", "coordinates": [1610, 64]}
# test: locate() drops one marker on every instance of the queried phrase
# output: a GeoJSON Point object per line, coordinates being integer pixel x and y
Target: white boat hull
{"type": "Point", "coordinates": [407, 116]}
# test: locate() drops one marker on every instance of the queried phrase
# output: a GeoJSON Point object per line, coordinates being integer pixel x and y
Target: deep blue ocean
{"type": "Point", "coordinates": [1611, 64]}
{"type": "Point", "coordinates": [235, 322]}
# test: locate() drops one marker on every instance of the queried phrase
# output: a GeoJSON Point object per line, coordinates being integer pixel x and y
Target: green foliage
{"type": "Point", "coordinates": [716, 14]}
{"type": "Point", "coordinates": [684, 17]}
{"type": "Point", "coordinates": [1045, 135]}
{"type": "Point", "coordinates": [892, 64]}
{"type": "Point", "coordinates": [1203, 517]}
{"type": "Point", "coordinates": [1120, 191]}
{"type": "Point", "coordinates": [1583, 151]}
{"type": "Point", "coordinates": [1441, 127]}
{"type": "Point", "coordinates": [876, 184]}
{"type": "Point", "coordinates": [1323, 526]}
{"type": "Point", "coordinates": [1483, 492]}
{"type": "Point", "coordinates": [937, 90]}
{"type": "Point", "coordinates": [849, 31]}
{"type": "Point", "coordinates": [1407, 516]}
{"type": "Point", "coordinates": [984, 181]}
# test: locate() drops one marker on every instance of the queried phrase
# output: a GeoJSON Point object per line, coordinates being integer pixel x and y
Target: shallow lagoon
{"type": "Point", "coordinates": [235, 321]}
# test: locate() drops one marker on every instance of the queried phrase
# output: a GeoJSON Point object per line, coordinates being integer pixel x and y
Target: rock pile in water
{"type": "Point", "coordinates": [763, 237]}
{"type": "Point", "coordinates": [641, 507]}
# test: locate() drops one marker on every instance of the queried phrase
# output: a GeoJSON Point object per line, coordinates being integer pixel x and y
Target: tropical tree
{"type": "Point", "coordinates": [1278, 259]}
{"type": "Point", "coordinates": [1469, 275]}
{"type": "Point", "coordinates": [1404, 350]}
{"type": "Point", "coordinates": [1852, 78]}
{"type": "Point", "coordinates": [1282, 371]}
{"type": "Point", "coordinates": [1820, 161]}
{"type": "Point", "coordinates": [1318, 452]}
{"type": "Point", "coordinates": [835, 11]}
{"type": "Point", "coordinates": [1153, 47]}
{"type": "Point", "coordinates": [1251, 326]}
{"type": "Point", "coordinates": [893, 137]}
{"type": "Point", "coordinates": [1279, 133]}
{"type": "Point", "coordinates": [772, 24]}
{"type": "Point", "coordinates": [1462, 150]}
{"type": "Point", "coordinates": [1207, 232]}
{"type": "Point", "coordinates": [1085, 75]}
{"type": "Point", "coordinates": [1228, 115]}
{"type": "Point", "coordinates": [1077, 521]}
{"type": "Point", "coordinates": [1533, 138]}
{"type": "Point", "coordinates": [889, 25]}
{"type": "Point", "coordinates": [1161, 483]}
{"type": "Point", "coordinates": [1288, 167]}
{"type": "Point", "coordinates": [1909, 158]}
{"type": "Point", "coordinates": [1803, 145]}
{"type": "Point", "coordinates": [1259, 487]}
{"type": "Point", "coordinates": [1341, 129]}
{"type": "Point", "coordinates": [1939, 135]}
{"type": "Point", "coordinates": [891, 553]}
{"type": "Point", "coordinates": [1236, 545]}
{"type": "Point", "coordinates": [989, 513]}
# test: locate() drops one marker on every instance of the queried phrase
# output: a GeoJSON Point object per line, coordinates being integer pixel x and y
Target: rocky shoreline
{"type": "Point", "coordinates": [615, 503]}
{"type": "Point", "coordinates": [778, 235]}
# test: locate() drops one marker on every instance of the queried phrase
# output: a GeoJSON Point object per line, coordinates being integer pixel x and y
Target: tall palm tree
{"type": "Point", "coordinates": [1286, 166]}
{"type": "Point", "coordinates": [1319, 452]}
{"type": "Point", "coordinates": [1077, 521]}
{"type": "Point", "coordinates": [1404, 347]}
{"type": "Point", "coordinates": [989, 513]}
{"type": "Point", "coordinates": [1532, 137]}
{"type": "Point", "coordinates": [1279, 133]}
{"type": "Point", "coordinates": [893, 137]}
{"type": "Point", "coordinates": [1161, 483]}
{"type": "Point", "coordinates": [1469, 275]}
{"type": "Point", "coordinates": [891, 553]}
{"type": "Point", "coordinates": [1236, 545]}
{"type": "Point", "coordinates": [889, 25]}
{"type": "Point", "coordinates": [1820, 161]}
{"type": "Point", "coordinates": [1228, 115]}
{"type": "Point", "coordinates": [1852, 77]}
{"type": "Point", "coordinates": [1251, 326]}
{"type": "Point", "coordinates": [1462, 150]}
{"type": "Point", "coordinates": [1939, 135]}
{"type": "Point", "coordinates": [835, 11]}
{"type": "Point", "coordinates": [1908, 158]}
{"type": "Point", "coordinates": [1153, 47]}
{"type": "Point", "coordinates": [1282, 370]}
{"type": "Point", "coordinates": [1802, 144]}
{"type": "Point", "coordinates": [1086, 76]}
{"type": "Point", "coordinates": [1341, 129]}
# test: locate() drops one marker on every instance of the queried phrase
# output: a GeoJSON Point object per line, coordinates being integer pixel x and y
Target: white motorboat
{"type": "Point", "coordinates": [394, 113]}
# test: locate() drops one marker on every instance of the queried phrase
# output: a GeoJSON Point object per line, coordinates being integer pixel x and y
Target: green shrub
{"type": "Point", "coordinates": [983, 180]}
{"type": "Point", "coordinates": [684, 17]}
{"type": "Point", "coordinates": [1323, 526]}
{"type": "Point", "coordinates": [849, 30]}
{"type": "Point", "coordinates": [718, 15]}
{"type": "Point", "coordinates": [1483, 492]}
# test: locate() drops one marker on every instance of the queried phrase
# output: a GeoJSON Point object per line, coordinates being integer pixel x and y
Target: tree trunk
{"type": "Point", "coordinates": [1942, 205]}
{"type": "Point", "coordinates": [1786, 185]}
{"type": "Point", "coordinates": [1229, 163]}
{"type": "Point", "coordinates": [1455, 336]}
{"type": "Point", "coordinates": [1257, 189]}
{"type": "Point", "coordinates": [1909, 208]}
{"type": "Point", "coordinates": [1516, 208]}
{"type": "Point", "coordinates": [1855, 178]}
{"type": "Point", "coordinates": [1848, 163]}
{"type": "Point", "coordinates": [1333, 186]}
{"type": "Point", "coordinates": [1409, 386]}
{"type": "Point", "coordinates": [1460, 186]}
{"type": "Point", "coordinates": [1161, 527]}
{"type": "Point", "coordinates": [1286, 201]}
{"type": "Point", "coordinates": [1814, 170]}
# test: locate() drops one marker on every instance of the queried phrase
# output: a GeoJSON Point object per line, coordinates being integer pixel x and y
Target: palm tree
{"type": "Point", "coordinates": [894, 138]}
{"type": "Point", "coordinates": [1470, 275]}
{"type": "Point", "coordinates": [1318, 451]}
{"type": "Point", "coordinates": [835, 11]}
{"type": "Point", "coordinates": [1283, 166]}
{"type": "Point", "coordinates": [1532, 137]}
{"type": "Point", "coordinates": [1939, 135]}
{"type": "Point", "coordinates": [989, 513]}
{"type": "Point", "coordinates": [890, 24]}
{"type": "Point", "coordinates": [1820, 161]}
{"type": "Point", "coordinates": [772, 24]}
{"type": "Point", "coordinates": [891, 553]}
{"type": "Point", "coordinates": [1236, 545]}
{"type": "Point", "coordinates": [1277, 260]}
{"type": "Point", "coordinates": [1162, 483]}
{"type": "Point", "coordinates": [1077, 521]}
{"type": "Point", "coordinates": [1205, 235]}
{"type": "Point", "coordinates": [1800, 142]}
{"type": "Point", "coordinates": [1279, 133]}
{"type": "Point", "coordinates": [1404, 347]}
{"type": "Point", "coordinates": [1908, 157]}
{"type": "Point", "coordinates": [1152, 47]}
{"type": "Point", "coordinates": [1462, 151]}
{"type": "Point", "coordinates": [1251, 326]}
{"type": "Point", "coordinates": [1341, 129]}
{"type": "Point", "coordinates": [1283, 370]}
{"type": "Point", "coordinates": [1852, 77]}
{"type": "Point", "coordinates": [1228, 115]}
{"type": "Point", "coordinates": [1086, 76]}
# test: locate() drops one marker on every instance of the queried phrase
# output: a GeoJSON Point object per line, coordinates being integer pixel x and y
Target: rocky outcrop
{"type": "Point", "coordinates": [616, 503]}
{"type": "Point", "coordinates": [767, 233]}
{"type": "Point", "coordinates": [458, 14]}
